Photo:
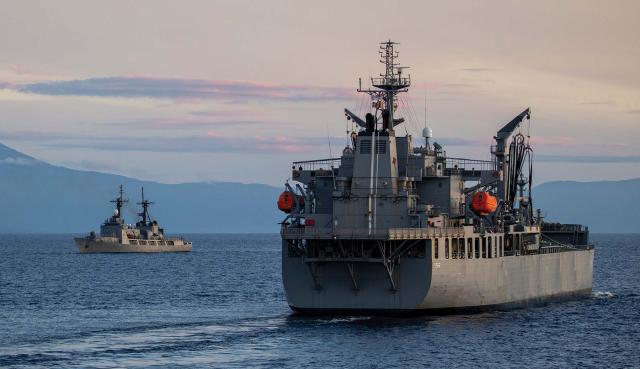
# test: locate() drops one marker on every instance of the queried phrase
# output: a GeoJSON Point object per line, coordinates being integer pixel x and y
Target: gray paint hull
{"type": "Point", "coordinates": [427, 285]}
{"type": "Point", "coordinates": [86, 245]}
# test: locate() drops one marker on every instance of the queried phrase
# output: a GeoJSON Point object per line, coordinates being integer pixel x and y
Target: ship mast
{"type": "Point", "coordinates": [389, 84]}
{"type": "Point", "coordinates": [383, 96]}
{"type": "Point", "coordinates": [119, 201]}
{"type": "Point", "coordinates": [145, 209]}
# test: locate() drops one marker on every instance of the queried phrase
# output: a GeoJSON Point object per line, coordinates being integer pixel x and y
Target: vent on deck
{"type": "Point", "coordinates": [365, 147]}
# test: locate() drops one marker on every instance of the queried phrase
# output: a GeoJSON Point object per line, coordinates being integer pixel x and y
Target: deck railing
{"type": "Point", "coordinates": [391, 233]}
{"type": "Point", "coordinates": [469, 164]}
{"type": "Point", "coordinates": [325, 164]}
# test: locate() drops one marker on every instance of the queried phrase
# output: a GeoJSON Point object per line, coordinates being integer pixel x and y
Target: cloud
{"type": "Point", "coordinates": [554, 141]}
{"type": "Point", "coordinates": [218, 141]}
{"type": "Point", "coordinates": [182, 123]}
{"type": "Point", "coordinates": [456, 141]}
{"type": "Point", "coordinates": [19, 161]}
{"type": "Point", "coordinates": [603, 103]}
{"type": "Point", "coordinates": [93, 165]}
{"type": "Point", "coordinates": [210, 142]}
{"type": "Point", "coordinates": [441, 85]}
{"type": "Point", "coordinates": [175, 88]}
{"type": "Point", "coordinates": [32, 135]}
{"type": "Point", "coordinates": [633, 111]}
{"type": "Point", "coordinates": [479, 69]}
{"type": "Point", "coordinates": [21, 69]}
{"type": "Point", "coordinates": [588, 158]}
{"type": "Point", "coordinates": [451, 91]}
{"type": "Point", "coordinates": [226, 113]}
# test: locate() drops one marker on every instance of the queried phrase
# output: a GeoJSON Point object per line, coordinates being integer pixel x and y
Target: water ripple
{"type": "Point", "coordinates": [223, 306]}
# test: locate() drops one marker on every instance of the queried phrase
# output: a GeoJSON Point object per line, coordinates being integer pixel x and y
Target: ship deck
{"type": "Point", "coordinates": [386, 234]}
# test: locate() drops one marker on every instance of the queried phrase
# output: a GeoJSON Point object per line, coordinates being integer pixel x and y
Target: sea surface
{"type": "Point", "coordinates": [223, 306]}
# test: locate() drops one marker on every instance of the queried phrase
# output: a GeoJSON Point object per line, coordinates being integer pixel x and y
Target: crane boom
{"type": "Point", "coordinates": [502, 151]}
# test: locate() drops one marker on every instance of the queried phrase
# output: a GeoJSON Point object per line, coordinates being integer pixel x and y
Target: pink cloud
{"type": "Point", "coordinates": [214, 134]}
{"type": "Point", "coordinates": [222, 120]}
{"type": "Point", "coordinates": [553, 141]}
{"type": "Point", "coordinates": [175, 88]}
{"type": "Point", "coordinates": [21, 69]}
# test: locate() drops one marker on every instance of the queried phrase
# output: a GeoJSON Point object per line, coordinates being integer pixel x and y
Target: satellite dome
{"type": "Point", "coordinates": [427, 132]}
{"type": "Point", "coordinates": [115, 212]}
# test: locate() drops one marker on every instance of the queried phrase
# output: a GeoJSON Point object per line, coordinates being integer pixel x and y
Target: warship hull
{"type": "Point", "coordinates": [434, 286]}
{"type": "Point", "coordinates": [88, 245]}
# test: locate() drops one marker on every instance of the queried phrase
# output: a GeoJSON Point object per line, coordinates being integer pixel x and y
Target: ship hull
{"type": "Point", "coordinates": [533, 302]}
{"type": "Point", "coordinates": [436, 286]}
{"type": "Point", "coordinates": [88, 245]}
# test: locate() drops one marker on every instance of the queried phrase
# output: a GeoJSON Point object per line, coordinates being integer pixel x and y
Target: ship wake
{"type": "Point", "coordinates": [602, 295]}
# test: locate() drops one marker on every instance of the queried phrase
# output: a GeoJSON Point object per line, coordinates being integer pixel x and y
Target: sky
{"type": "Point", "coordinates": [183, 91]}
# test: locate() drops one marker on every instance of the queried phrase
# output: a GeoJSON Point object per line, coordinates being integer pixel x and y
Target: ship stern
{"type": "Point", "coordinates": [330, 285]}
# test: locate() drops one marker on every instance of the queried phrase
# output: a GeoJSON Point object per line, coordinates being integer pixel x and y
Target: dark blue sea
{"type": "Point", "coordinates": [223, 306]}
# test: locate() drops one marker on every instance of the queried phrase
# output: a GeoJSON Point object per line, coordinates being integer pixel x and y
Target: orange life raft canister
{"type": "Point", "coordinates": [483, 203]}
{"type": "Point", "coordinates": [287, 201]}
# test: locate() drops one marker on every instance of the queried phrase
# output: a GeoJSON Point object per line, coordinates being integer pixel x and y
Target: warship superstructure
{"type": "Point", "coordinates": [395, 227]}
{"type": "Point", "coordinates": [117, 236]}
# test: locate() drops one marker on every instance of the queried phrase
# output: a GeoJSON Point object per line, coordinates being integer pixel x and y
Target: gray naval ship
{"type": "Point", "coordinates": [117, 236]}
{"type": "Point", "coordinates": [393, 228]}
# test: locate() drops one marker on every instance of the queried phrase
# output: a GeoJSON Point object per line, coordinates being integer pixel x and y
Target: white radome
{"type": "Point", "coordinates": [427, 132]}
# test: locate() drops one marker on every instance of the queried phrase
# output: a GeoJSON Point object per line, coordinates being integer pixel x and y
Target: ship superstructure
{"type": "Point", "coordinates": [394, 227]}
{"type": "Point", "coordinates": [118, 236]}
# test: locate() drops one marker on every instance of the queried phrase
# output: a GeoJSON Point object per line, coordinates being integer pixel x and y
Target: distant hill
{"type": "Point", "coordinates": [36, 197]}
{"type": "Point", "coordinates": [605, 206]}
{"type": "Point", "coordinates": [41, 198]}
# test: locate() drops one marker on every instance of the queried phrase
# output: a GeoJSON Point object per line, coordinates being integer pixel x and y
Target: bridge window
{"type": "Point", "coordinates": [477, 248]}
{"type": "Point", "coordinates": [461, 250]}
{"type": "Point", "coordinates": [489, 247]}
{"type": "Point", "coordinates": [446, 248]}
{"type": "Point", "coordinates": [469, 248]}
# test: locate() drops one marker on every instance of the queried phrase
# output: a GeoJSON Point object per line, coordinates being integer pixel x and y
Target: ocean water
{"type": "Point", "coordinates": [223, 306]}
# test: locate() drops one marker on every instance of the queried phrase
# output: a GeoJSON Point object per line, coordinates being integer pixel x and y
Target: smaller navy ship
{"type": "Point", "coordinates": [117, 236]}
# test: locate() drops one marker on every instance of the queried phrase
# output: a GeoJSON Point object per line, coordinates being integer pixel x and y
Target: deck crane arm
{"type": "Point", "coordinates": [505, 132]}
{"type": "Point", "coordinates": [351, 116]}
{"type": "Point", "coordinates": [502, 152]}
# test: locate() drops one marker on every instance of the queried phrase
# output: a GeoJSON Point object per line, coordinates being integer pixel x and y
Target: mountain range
{"type": "Point", "coordinates": [37, 197]}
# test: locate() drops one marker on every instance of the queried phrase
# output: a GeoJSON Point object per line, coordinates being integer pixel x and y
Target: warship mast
{"type": "Point", "coordinates": [145, 209]}
{"type": "Point", "coordinates": [119, 201]}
